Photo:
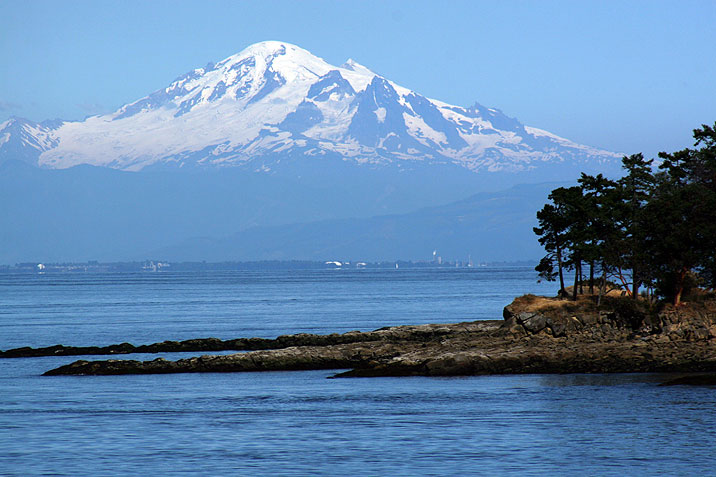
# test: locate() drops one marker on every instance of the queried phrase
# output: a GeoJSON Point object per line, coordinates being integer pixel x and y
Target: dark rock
{"type": "Point", "coordinates": [532, 322]}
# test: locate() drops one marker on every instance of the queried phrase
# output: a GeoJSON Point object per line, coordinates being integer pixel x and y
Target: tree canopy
{"type": "Point", "coordinates": [653, 228]}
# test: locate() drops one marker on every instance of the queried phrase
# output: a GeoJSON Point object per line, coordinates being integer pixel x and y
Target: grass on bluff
{"type": "Point", "coordinates": [584, 302]}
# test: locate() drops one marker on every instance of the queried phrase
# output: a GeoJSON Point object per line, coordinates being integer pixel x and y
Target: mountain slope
{"type": "Point", "coordinates": [275, 101]}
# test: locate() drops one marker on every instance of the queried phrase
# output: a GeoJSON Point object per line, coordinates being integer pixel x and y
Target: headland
{"type": "Point", "coordinates": [536, 335]}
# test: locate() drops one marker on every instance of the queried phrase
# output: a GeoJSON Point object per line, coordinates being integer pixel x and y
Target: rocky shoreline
{"type": "Point", "coordinates": [199, 344]}
{"type": "Point", "coordinates": [537, 335]}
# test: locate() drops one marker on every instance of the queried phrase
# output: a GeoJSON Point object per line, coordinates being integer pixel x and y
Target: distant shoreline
{"type": "Point", "coordinates": [165, 266]}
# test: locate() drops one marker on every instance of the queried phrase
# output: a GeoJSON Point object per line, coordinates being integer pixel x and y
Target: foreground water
{"type": "Point", "coordinates": [300, 423]}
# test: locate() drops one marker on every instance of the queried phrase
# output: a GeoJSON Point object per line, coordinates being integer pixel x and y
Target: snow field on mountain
{"type": "Point", "coordinates": [275, 99]}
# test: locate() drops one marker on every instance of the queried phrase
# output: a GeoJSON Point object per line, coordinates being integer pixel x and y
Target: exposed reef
{"type": "Point", "coordinates": [199, 344]}
{"type": "Point", "coordinates": [537, 335]}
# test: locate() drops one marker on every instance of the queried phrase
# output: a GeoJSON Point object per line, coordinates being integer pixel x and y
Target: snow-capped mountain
{"type": "Point", "coordinates": [275, 100]}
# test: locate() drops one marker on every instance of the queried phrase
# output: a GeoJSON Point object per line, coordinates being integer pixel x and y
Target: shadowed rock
{"type": "Point", "coordinates": [215, 344]}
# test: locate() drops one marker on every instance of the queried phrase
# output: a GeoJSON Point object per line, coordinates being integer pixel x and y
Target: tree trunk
{"type": "Point", "coordinates": [679, 286]}
{"type": "Point", "coordinates": [561, 275]}
{"type": "Point", "coordinates": [576, 280]}
{"type": "Point", "coordinates": [635, 284]}
{"type": "Point", "coordinates": [591, 277]}
{"type": "Point", "coordinates": [602, 285]}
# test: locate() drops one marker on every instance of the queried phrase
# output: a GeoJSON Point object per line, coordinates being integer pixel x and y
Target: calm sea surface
{"type": "Point", "coordinates": [300, 423]}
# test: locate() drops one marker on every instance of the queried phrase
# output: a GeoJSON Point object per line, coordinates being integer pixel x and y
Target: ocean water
{"type": "Point", "coordinates": [302, 423]}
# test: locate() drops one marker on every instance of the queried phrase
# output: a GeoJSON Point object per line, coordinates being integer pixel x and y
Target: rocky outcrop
{"type": "Point", "coordinates": [693, 322]}
{"type": "Point", "coordinates": [537, 335]}
{"type": "Point", "coordinates": [618, 318]}
{"type": "Point", "coordinates": [532, 314]}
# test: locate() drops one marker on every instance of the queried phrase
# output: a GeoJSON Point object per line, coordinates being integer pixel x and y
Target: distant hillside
{"type": "Point", "coordinates": [91, 213]}
{"type": "Point", "coordinates": [487, 227]}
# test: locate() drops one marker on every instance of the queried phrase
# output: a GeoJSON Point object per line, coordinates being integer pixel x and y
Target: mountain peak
{"type": "Point", "coordinates": [271, 47]}
{"type": "Point", "coordinates": [274, 99]}
{"type": "Point", "coordinates": [270, 50]}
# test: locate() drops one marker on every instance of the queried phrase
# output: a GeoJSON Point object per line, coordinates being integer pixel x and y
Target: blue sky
{"type": "Point", "coordinates": [625, 76]}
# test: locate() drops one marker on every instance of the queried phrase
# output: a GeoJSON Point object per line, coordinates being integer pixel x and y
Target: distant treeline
{"type": "Point", "coordinates": [653, 229]}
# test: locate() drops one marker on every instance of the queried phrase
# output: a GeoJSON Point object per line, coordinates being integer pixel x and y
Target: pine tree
{"type": "Point", "coordinates": [559, 231]}
{"type": "Point", "coordinates": [635, 189]}
{"type": "Point", "coordinates": [551, 231]}
{"type": "Point", "coordinates": [602, 237]}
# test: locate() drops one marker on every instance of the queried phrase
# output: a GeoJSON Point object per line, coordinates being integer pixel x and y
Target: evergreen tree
{"type": "Point", "coordinates": [635, 189]}
{"type": "Point", "coordinates": [571, 201]}
{"type": "Point", "coordinates": [551, 231]}
{"type": "Point", "coordinates": [559, 231]}
{"type": "Point", "coordinates": [682, 210]}
{"type": "Point", "coordinates": [602, 236]}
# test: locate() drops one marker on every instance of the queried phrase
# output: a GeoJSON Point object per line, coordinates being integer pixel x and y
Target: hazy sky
{"type": "Point", "coordinates": [627, 76]}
